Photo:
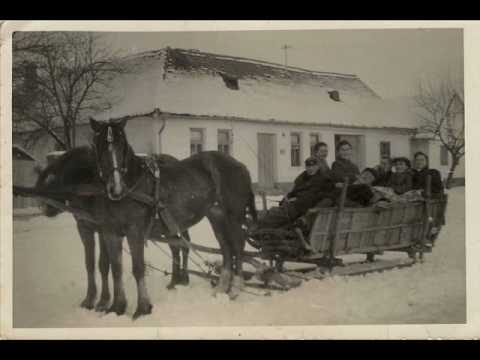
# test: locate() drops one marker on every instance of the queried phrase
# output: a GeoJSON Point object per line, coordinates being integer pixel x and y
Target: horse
{"type": "Point", "coordinates": [78, 167]}
{"type": "Point", "coordinates": [208, 184]}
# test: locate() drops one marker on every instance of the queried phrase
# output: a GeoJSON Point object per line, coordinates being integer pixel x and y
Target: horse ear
{"type": "Point", "coordinates": [95, 125]}
{"type": "Point", "coordinates": [123, 122]}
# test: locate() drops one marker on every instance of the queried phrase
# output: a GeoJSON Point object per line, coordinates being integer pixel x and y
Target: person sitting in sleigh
{"type": "Point", "coordinates": [310, 187]}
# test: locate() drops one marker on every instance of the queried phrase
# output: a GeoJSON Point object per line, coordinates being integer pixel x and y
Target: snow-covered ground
{"type": "Point", "coordinates": [50, 281]}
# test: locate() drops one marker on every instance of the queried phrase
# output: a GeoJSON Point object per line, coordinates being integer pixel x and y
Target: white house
{"type": "Point", "coordinates": [265, 115]}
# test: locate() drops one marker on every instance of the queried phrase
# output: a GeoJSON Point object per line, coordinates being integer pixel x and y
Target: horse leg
{"type": "Point", "coordinates": [184, 278]}
{"type": "Point", "coordinates": [114, 247]}
{"type": "Point", "coordinates": [104, 266]}
{"type": "Point", "coordinates": [137, 247]}
{"type": "Point", "coordinates": [237, 243]}
{"type": "Point", "coordinates": [88, 239]}
{"type": "Point", "coordinates": [217, 220]}
{"type": "Point", "coordinates": [175, 267]}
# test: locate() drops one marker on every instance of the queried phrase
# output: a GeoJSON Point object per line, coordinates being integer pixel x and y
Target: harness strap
{"type": "Point", "coordinates": [160, 211]}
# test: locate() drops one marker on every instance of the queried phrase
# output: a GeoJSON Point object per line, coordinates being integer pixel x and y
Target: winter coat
{"type": "Point", "coordinates": [419, 181]}
{"type": "Point", "coordinates": [401, 182]}
{"type": "Point", "coordinates": [342, 168]}
{"type": "Point", "coordinates": [308, 190]}
{"type": "Point", "coordinates": [383, 178]}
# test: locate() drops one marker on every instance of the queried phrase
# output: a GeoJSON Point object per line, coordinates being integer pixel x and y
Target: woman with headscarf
{"type": "Point", "coordinates": [420, 172]}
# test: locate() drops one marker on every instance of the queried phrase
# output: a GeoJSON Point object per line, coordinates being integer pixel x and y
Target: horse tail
{"type": "Point", "coordinates": [252, 210]}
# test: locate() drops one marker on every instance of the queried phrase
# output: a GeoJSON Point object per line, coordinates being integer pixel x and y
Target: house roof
{"type": "Point", "coordinates": [195, 83]}
{"type": "Point", "coordinates": [190, 82]}
{"type": "Point", "coordinates": [19, 153]}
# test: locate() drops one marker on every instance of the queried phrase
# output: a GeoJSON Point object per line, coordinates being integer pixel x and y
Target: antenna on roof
{"type": "Point", "coordinates": [285, 49]}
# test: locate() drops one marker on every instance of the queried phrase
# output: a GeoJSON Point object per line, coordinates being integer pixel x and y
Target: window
{"type": "Point", "coordinates": [443, 155]}
{"type": "Point", "coordinates": [295, 149]}
{"type": "Point", "coordinates": [196, 141]}
{"type": "Point", "coordinates": [334, 95]}
{"type": "Point", "coordinates": [230, 82]}
{"type": "Point", "coordinates": [385, 149]}
{"type": "Point", "coordinates": [314, 139]}
{"type": "Point", "coordinates": [224, 141]}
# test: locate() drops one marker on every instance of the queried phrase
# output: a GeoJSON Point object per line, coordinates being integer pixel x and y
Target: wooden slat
{"type": "Point", "coordinates": [392, 227]}
{"type": "Point", "coordinates": [335, 237]}
{"type": "Point", "coordinates": [365, 268]}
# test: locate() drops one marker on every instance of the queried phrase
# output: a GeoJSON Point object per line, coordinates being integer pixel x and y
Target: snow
{"type": "Point", "coordinates": [259, 98]}
{"type": "Point", "coordinates": [50, 282]}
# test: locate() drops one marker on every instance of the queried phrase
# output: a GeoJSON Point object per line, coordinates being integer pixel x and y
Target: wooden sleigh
{"type": "Point", "coordinates": [409, 227]}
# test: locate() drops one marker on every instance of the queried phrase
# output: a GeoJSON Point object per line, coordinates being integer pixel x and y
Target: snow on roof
{"type": "Point", "coordinates": [192, 82]}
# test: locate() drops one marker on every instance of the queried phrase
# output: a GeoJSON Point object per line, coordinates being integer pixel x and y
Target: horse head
{"type": "Point", "coordinates": [111, 152]}
{"type": "Point", "coordinates": [46, 179]}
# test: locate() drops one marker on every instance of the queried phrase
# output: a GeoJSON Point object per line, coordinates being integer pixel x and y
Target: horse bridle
{"type": "Point", "coordinates": [122, 170]}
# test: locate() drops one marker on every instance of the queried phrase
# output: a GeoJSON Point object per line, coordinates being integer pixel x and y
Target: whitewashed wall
{"type": "Point", "coordinates": [175, 140]}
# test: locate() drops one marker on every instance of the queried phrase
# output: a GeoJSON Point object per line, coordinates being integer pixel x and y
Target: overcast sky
{"type": "Point", "coordinates": [389, 61]}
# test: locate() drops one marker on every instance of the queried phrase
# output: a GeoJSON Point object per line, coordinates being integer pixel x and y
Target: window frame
{"type": "Point", "coordinates": [298, 159]}
{"type": "Point", "coordinates": [229, 141]}
{"type": "Point", "coordinates": [382, 144]}
{"type": "Point", "coordinates": [202, 143]}
{"type": "Point", "coordinates": [312, 145]}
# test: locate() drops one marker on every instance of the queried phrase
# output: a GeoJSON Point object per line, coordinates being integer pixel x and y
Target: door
{"type": "Point", "coordinates": [266, 161]}
{"type": "Point", "coordinates": [358, 148]}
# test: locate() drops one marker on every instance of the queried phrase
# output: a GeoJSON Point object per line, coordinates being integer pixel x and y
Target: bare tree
{"type": "Point", "coordinates": [60, 77]}
{"type": "Point", "coordinates": [442, 115]}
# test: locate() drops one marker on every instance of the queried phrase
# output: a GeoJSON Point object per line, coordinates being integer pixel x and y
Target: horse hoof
{"type": "Point", "coordinates": [102, 306]}
{"type": "Point", "coordinates": [224, 283]}
{"type": "Point", "coordinates": [237, 286]}
{"type": "Point", "coordinates": [142, 310]}
{"type": "Point", "coordinates": [184, 280]}
{"type": "Point", "coordinates": [88, 304]}
{"type": "Point", "coordinates": [118, 309]}
{"type": "Point", "coordinates": [171, 286]}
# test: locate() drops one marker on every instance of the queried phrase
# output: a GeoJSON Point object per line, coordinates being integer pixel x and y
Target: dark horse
{"type": "Point", "coordinates": [208, 184]}
{"type": "Point", "coordinates": [78, 167]}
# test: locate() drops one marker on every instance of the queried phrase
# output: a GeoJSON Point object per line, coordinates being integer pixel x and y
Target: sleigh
{"type": "Point", "coordinates": [332, 233]}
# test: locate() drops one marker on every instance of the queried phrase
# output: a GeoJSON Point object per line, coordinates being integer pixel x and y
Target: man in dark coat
{"type": "Point", "coordinates": [384, 171]}
{"type": "Point", "coordinates": [343, 166]}
{"type": "Point", "coordinates": [310, 187]}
